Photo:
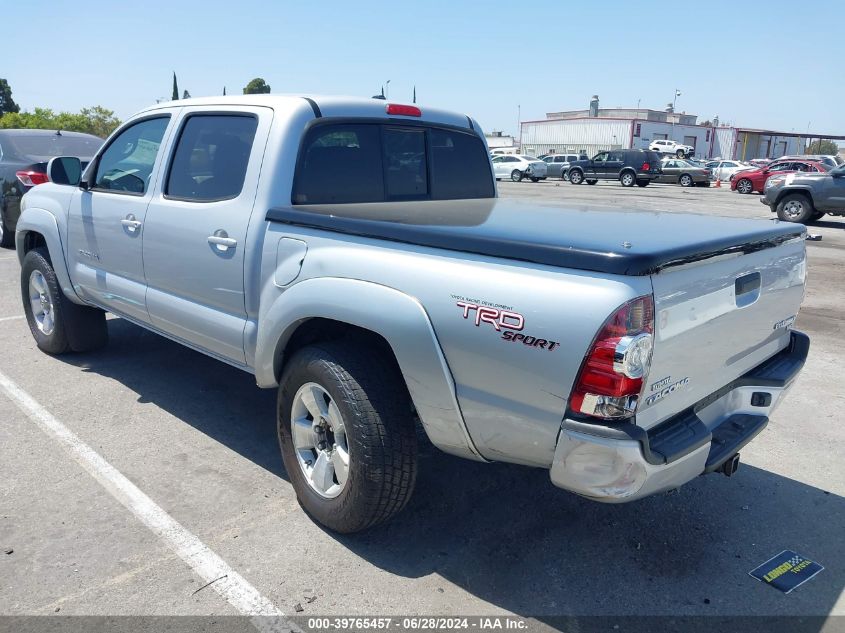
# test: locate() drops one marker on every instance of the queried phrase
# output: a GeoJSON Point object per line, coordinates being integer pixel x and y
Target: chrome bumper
{"type": "Point", "coordinates": [614, 464]}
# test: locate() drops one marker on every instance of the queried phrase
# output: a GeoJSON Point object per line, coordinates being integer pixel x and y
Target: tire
{"type": "Point", "coordinates": [642, 183]}
{"type": "Point", "coordinates": [379, 439]}
{"type": "Point", "coordinates": [592, 182]}
{"type": "Point", "coordinates": [535, 179]}
{"type": "Point", "coordinates": [576, 176]}
{"type": "Point", "coordinates": [744, 185]}
{"type": "Point", "coordinates": [628, 178]}
{"type": "Point", "coordinates": [565, 175]}
{"type": "Point", "coordinates": [57, 324]}
{"type": "Point", "coordinates": [679, 153]}
{"type": "Point", "coordinates": [795, 207]}
{"type": "Point", "coordinates": [7, 237]}
{"type": "Point", "coordinates": [516, 175]}
{"type": "Point", "coordinates": [685, 180]}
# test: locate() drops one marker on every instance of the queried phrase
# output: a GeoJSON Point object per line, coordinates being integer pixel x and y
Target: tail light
{"type": "Point", "coordinates": [404, 110]}
{"type": "Point", "coordinates": [32, 178]}
{"type": "Point", "coordinates": [645, 167]}
{"type": "Point", "coordinates": [615, 368]}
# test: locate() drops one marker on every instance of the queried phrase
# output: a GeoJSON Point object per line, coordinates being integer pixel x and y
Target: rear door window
{"type": "Point", "coordinates": [372, 162]}
{"type": "Point", "coordinates": [211, 158]}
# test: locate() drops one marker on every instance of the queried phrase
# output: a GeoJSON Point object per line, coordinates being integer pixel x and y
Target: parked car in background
{"type": "Point", "coordinates": [806, 196]}
{"type": "Point", "coordinates": [830, 160]}
{"type": "Point", "coordinates": [24, 155]}
{"type": "Point", "coordinates": [557, 165]}
{"type": "Point", "coordinates": [754, 179]}
{"type": "Point", "coordinates": [684, 173]}
{"type": "Point", "coordinates": [516, 167]}
{"type": "Point", "coordinates": [671, 147]}
{"type": "Point", "coordinates": [761, 162]}
{"type": "Point", "coordinates": [496, 151]}
{"type": "Point", "coordinates": [628, 166]}
{"type": "Point", "coordinates": [724, 169]}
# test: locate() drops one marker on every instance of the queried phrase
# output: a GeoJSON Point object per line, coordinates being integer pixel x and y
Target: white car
{"type": "Point", "coordinates": [516, 167]}
{"type": "Point", "coordinates": [726, 169]}
{"type": "Point", "coordinates": [671, 147]}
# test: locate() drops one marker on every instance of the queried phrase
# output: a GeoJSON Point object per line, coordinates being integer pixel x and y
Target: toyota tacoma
{"type": "Point", "coordinates": [353, 254]}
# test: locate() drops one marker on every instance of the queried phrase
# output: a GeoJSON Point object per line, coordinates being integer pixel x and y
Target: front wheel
{"type": "Point", "coordinates": [57, 324]}
{"type": "Point", "coordinates": [744, 185]}
{"type": "Point", "coordinates": [679, 153]}
{"type": "Point", "coordinates": [627, 179]}
{"type": "Point", "coordinates": [685, 180]}
{"type": "Point", "coordinates": [576, 177]}
{"type": "Point", "coordinates": [795, 207]}
{"type": "Point", "coordinates": [347, 435]}
{"type": "Point", "coordinates": [516, 175]}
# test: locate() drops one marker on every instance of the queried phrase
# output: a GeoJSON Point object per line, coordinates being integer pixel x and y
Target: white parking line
{"type": "Point", "coordinates": [12, 318]}
{"type": "Point", "coordinates": [209, 566]}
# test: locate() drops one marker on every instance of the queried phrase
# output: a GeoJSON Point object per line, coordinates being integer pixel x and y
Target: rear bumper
{"type": "Point", "coordinates": [624, 462]}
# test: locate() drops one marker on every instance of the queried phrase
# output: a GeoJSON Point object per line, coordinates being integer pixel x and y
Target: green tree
{"type": "Point", "coordinates": [257, 87]}
{"type": "Point", "coordinates": [175, 96]}
{"type": "Point", "coordinates": [7, 104]}
{"type": "Point", "coordinates": [95, 120]}
{"type": "Point", "coordinates": [822, 147]}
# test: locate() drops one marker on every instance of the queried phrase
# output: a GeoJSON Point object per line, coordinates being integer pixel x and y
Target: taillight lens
{"type": "Point", "coordinates": [32, 178]}
{"type": "Point", "coordinates": [645, 167]}
{"type": "Point", "coordinates": [613, 373]}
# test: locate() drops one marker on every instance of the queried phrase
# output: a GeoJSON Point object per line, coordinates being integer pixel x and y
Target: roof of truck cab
{"type": "Point", "coordinates": [327, 106]}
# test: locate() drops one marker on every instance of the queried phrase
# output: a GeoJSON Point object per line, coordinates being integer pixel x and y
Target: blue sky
{"type": "Point", "coordinates": [744, 61]}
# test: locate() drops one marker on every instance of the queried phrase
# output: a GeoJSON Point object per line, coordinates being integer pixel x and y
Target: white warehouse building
{"type": "Point", "coordinates": [590, 131]}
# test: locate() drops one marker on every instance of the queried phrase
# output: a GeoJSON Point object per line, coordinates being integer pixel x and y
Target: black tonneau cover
{"type": "Point", "coordinates": [610, 242]}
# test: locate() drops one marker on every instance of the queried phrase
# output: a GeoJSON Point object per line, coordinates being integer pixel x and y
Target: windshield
{"type": "Point", "coordinates": [42, 147]}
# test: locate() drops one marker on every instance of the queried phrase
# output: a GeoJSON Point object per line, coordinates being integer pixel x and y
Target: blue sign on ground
{"type": "Point", "coordinates": [786, 571]}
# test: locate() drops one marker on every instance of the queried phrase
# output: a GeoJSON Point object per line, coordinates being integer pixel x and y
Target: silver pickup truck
{"type": "Point", "coordinates": [353, 253]}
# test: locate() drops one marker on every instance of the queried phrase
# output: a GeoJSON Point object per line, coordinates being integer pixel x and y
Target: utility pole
{"type": "Point", "coordinates": [674, 103]}
{"type": "Point", "coordinates": [387, 89]}
{"type": "Point", "coordinates": [519, 125]}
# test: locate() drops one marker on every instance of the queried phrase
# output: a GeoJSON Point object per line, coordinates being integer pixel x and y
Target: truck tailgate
{"type": "Point", "coordinates": [717, 319]}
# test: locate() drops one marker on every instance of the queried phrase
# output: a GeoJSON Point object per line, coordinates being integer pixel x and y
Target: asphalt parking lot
{"type": "Point", "coordinates": [198, 438]}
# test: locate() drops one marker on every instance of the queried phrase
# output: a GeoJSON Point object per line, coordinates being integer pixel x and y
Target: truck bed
{"type": "Point", "coordinates": [611, 242]}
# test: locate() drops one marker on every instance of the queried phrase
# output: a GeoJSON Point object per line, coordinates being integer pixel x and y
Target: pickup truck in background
{"type": "Point", "coordinates": [353, 254]}
{"type": "Point", "coordinates": [806, 197]}
{"type": "Point", "coordinates": [672, 148]}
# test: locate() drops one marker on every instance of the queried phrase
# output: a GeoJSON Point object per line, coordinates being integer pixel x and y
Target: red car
{"type": "Point", "coordinates": [755, 179]}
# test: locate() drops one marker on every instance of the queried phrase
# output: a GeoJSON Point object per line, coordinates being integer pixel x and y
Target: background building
{"type": "Point", "coordinates": [596, 129]}
{"type": "Point", "coordinates": [498, 139]}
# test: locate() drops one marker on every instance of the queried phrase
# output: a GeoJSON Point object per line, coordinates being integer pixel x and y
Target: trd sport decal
{"type": "Point", "coordinates": [509, 323]}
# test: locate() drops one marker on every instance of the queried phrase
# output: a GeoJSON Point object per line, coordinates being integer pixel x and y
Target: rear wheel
{"type": "Point", "coordinates": [744, 185]}
{"type": "Point", "coordinates": [576, 176]}
{"type": "Point", "coordinates": [516, 175]}
{"type": "Point", "coordinates": [564, 175]}
{"type": "Point", "coordinates": [679, 153]}
{"type": "Point", "coordinates": [685, 180]}
{"type": "Point", "coordinates": [627, 179]}
{"type": "Point", "coordinates": [347, 434]}
{"type": "Point", "coordinates": [795, 207]}
{"type": "Point", "coordinates": [57, 324]}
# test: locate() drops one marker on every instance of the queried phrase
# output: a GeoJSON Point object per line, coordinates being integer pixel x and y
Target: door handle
{"type": "Point", "coordinates": [130, 223]}
{"type": "Point", "coordinates": [221, 240]}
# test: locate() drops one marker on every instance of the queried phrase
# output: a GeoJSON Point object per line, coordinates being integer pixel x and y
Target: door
{"type": "Point", "coordinates": [106, 222]}
{"type": "Point", "coordinates": [832, 196]}
{"type": "Point", "coordinates": [498, 166]}
{"type": "Point", "coordinates": [552, 168]}
{"type": "Point", "coordinates": [596, 167]}
{"type": "Point", "coordinates": [670, 172]}
{"type": "Point", "coordinates": [196, 229]}
{"type": "Point", "coordinates": [614, 164]}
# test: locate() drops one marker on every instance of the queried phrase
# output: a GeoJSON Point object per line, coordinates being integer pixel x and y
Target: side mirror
{"type": "Point", "coordinates": [64, 170]}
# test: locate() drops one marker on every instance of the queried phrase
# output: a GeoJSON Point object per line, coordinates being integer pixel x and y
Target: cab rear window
{"type": "Point", "coordinates": [372, 162]}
